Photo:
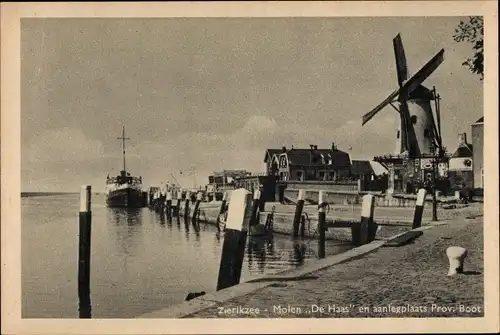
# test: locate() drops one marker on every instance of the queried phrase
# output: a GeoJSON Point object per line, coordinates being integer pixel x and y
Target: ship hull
{"type": "Point", "coordinates": [127, 197]}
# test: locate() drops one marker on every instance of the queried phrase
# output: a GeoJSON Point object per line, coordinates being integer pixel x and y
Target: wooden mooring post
{"type": "Point", "coordinates": [162, 201]}
{"type": "Point", "coordinates": [168, 204]}
{"type": "Point", "coordinates": [298, 213]}
{"type": "Point", "coordinates": [157, 201]}
{"type": "Point", "coordinates": [362, 231]}
{"type": "Point", "coordinates": [254, 220]}
{"type": "Point", "coordinates": [222, 209]}
{"type": "Point", "coordinates": [150, 198]}
{"type": "Point", "coordinates": [186, 205]}
{"type": "Point", "coordinates": [178, 204]}
{"type": "Point", "coordinates": [303, 224]}
{"type": "Point", "coordinates": [233, 248]}
{"type": "Point", "coordinates": [419, 208]}
{"type": "Point", "coordinates": [321, 224]}
{"type": "Point", "coordinates": [84, 251]}
{"type": "Point", "coordinates": [196, 209]}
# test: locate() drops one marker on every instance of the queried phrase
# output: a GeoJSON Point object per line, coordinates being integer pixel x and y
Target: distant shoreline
{"type": "Point", "coordinates": [44, 194]}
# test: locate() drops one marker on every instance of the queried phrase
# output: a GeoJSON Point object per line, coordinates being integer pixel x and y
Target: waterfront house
{"type": "Point", "coordinates": [308, 164]}
{"type": "Point", "coordinates": [362, 169]}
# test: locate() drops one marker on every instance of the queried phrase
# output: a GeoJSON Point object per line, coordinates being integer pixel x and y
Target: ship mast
{"type": "Point", "coordinates": [123, 138]}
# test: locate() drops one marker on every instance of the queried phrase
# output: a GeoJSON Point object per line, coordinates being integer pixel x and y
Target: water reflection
{"type": "Point", "coordinates": [262, 253]}
{"type": "Point", "coordinates": [162, 219]}
{"type": "Point", "coordinates": [299, 252]}
{"type": "Point", "coordinates": [129, 216]}
{"type": "Point", "coordinates": [84, 304]}
{"type": "Point", "coordinates": [196, 226]}
{"type": "Point", "coordinates": [128, 228]}
{"type": "Point", "coordinates": [217, 237]}
{"type": "Point", "coordinates": [271, 250]}
{"type": "Point", "coordinates": [258, 249]}
{"type": "Point", "coordinates": [186, 228]}
{"type": "Point", "coordinates": [130, 245]}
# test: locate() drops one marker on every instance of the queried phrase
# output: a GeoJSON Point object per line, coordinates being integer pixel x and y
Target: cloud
{"type": "Point", "coordinates": [195, 154]}
{"type": "Point", "coordinates": [369, 140]}
{"type": "Point", "coordinates": [59, 145]}
{"type": "Point", "coordinates": [216, 95]}
{"type": "Point", "coordinates": [244, 147]}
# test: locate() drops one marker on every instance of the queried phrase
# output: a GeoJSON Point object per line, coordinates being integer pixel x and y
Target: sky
{"type": "Point", "coordinates": [200, 95]}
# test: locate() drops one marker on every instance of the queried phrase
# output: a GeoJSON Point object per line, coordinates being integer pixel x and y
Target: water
{"type": "Point", "coordinates": [140, 263]}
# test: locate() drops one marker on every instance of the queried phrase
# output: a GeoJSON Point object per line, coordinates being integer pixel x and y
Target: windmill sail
{"type": "Point", "coordinates": [401, 66]}
{"type": "Point", "coordinates": [422, 74]}
{"type": "Point", "coordinates": [409, 85]}
{"type": "Point", "coordinates": [408, 89]}
{"type": "Point", "coordinates": [368, 116]}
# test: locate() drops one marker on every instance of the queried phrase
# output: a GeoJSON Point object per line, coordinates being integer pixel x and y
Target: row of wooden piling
{"type": "Point", "coordinates": [163, 203]}
{"type": "Point", "coordinates": [242, 213]}
{"type": "Point", "coordinates": [362, 231]}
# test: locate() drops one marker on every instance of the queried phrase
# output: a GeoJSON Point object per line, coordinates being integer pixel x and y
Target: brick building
{"type": "Point", "coordinates": [308, 164]}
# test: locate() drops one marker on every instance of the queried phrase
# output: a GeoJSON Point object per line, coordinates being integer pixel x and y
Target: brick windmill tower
{"type": "Point", "coordinates": [418, 140]}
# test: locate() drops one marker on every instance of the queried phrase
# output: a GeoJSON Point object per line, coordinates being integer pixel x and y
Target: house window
{"type": "Point", "coordinates": [426, 133]}
{"type": "Point", "coordinates": [332, 175]}
{"type": "Point", "coordinates": [322, 175]}
{"type": "Point", "coordinates": [300, 175]}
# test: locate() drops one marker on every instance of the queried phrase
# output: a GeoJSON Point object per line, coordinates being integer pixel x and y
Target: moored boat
{"type": "Point", "coordinates": [124, 190]}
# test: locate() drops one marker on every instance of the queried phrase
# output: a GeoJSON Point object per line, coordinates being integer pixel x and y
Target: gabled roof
{"type": "Point", "coordinates": [463, 151]}
{"type": "Point", "coordinates": [361, 167]}
{"type": "Point", "coordinates": [319, 157]}
{"type": "Point", "coordinates": [481, 120]}
{"type": "Point", "coordinates": [271, 152]}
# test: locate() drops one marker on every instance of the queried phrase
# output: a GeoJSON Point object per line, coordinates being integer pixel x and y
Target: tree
{"type": "Point", "coordinates": [472, 32]}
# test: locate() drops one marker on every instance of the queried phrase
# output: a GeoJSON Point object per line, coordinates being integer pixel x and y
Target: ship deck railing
{"type": "Point", "coordinates": [124, 180]}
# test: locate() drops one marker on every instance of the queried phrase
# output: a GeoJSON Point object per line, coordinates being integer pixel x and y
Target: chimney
{"type": "Point", "coordinates": [283, 149]}
{"type": "Point", "coordinates": [462, 139]}
{"type": "Point", "coordinates": [312, 146]}
{"type": "Point", "coordinates": [333, 146]}
{"type": "Point", "coordinates": [315, 147]}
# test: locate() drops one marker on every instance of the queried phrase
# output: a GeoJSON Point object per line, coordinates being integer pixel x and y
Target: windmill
{"type": "Point", "coordinates": [418, 133]}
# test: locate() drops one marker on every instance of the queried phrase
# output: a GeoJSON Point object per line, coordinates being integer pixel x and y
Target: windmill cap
{"type": "Point", "coordinates": [421, 92]}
